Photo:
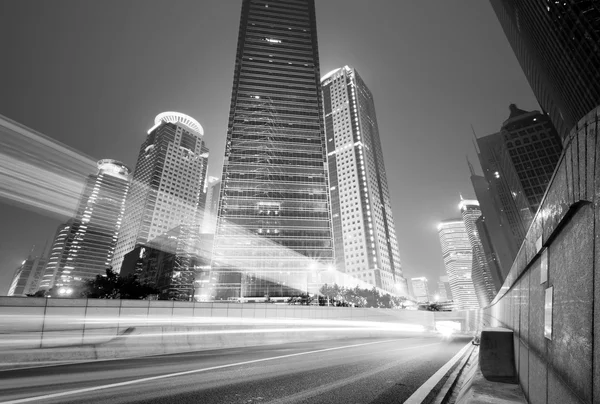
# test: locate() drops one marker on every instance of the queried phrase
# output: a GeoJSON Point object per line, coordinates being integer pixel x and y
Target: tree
{"type": "Point", "coordinates": [114, 286]}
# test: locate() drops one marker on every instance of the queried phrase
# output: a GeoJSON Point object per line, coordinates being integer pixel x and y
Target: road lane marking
{"type": "Point", "coordinates": [188, 372]}
{"type": "Point", "coordinates": [421, 393]}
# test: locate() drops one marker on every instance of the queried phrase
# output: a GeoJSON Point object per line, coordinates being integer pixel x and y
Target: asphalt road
{"type": "Point", "coordinates": [360, 370]}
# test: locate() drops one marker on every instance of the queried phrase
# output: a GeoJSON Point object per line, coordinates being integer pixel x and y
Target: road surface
{"type": "Point", "coordinates": [358, 370]}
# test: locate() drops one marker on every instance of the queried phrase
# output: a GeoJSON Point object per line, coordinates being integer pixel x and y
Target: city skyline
{"type": "Point", "coordinates": [420, 234]}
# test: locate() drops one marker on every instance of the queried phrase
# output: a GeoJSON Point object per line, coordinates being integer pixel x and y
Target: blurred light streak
{"type": "Point", "coordinates": [38, 172]}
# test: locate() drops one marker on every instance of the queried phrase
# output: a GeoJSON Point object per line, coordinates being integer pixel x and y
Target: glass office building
{"type": "Point", "coordinates": [366, 246]}
{"type": "Point", "coordinates": [273, 233]}
{"type": "Point", "coordinates": [556, 43]}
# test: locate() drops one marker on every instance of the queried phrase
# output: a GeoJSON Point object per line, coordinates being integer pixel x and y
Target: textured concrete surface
{"type": "Point", "coordinates": [566, 368]}
{"type": "Point", "coordinates": [475, 389]}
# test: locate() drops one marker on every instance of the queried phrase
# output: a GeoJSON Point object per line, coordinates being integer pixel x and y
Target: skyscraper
{"type": "Point", "coordinates": [57, 256]}
{"type": "Point", "coordinates": [458, 256]}
{"type": "Point", "coordinates": [274, 228]}
{"type": "Point", "coordinates": [420, 289]}
{"type": "Point", "coordinates": [364, 233]}
{"type": "Point", "coordinates": [84, 247]}
{"type": "Point", "coordinates": [168, 182]}
{"type": "Point", "coordinates": [27, 276]}
{"type": "Point", "coordinates": [485, 288]}
{"type": "Point", "coordinates": [213, 189]}
{"type": "Point", "coordinates": [499, 244]}
{"type": "Point", "coordinates": [556, 43]}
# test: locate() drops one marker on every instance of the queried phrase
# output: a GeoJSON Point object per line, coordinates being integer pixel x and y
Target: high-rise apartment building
{"type": "Point", "coordinates": [85, 246]}
{"type": "Point", "coordinates": [365, 240]}
{"type": "Point", "coordinates": [274, 232]}
{"type": "Point", "coordinates": [27, 277]}
{"type": "Point", "coordinates": [485, 289]}
{"type": "Point", "coordinates": [168, 183]}
{"type": "Point", "coordinates": [420, 289]}
{"type": "Point", "coordinates": [556, 43]}
{"type": "Point", "coordinates": [458, 256]}
{"type": "Point", "coordinates": [213, 190]}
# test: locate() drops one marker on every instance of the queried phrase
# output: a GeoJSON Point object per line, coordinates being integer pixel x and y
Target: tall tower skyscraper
{"type": "Point", "coordinates": [274, 227]}
{"type": "Point", "coordinates": [366, 246]}
{"type": "Point", "coordinates": [458, 257]}
{"type": "Point", "coordinates": [168, 182]}
{"type": "Point", "coordinates": [518, 163]}
{"type": "Point", "coordinates": [85, 246]}
{"type": "Point", "coordinates": [556, 43]}
{"type": "Point", "coordinates": [213, 190]}
{"type": "Point", "coordinates": [483, 283]}
{"type": "Point", "coordinates": [27, 276]}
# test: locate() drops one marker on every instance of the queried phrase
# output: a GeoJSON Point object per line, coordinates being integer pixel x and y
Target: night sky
{"type": "Point", "coordinates": [93, 74]}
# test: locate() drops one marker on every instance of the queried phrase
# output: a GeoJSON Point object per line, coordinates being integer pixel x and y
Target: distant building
{"type": "Point", "coordinates": [84, 247]}
{"type": "Point", "coordinates": [556, 43]}
{"type": "Point", "coordinates": [458, 256]}
{"type": "Point", "coordinates": [420, 289]}
{"type": "Point", "coordinates": [27, 277]}
{"type": "Point", "coordinates": [444, 289]}
{"type": "Point", "coordinates": [176, 263]}
{"type": "Point", "coordinates": [57, 256]}
{"type": "Point", "coordinates": [485, 288]}
{"type": "Point", "coordinates": [499, 244]}
{"type": "Point", "coordinates": [365, 240]}
{"type": "Point", "coordinates": [168, 183]}
{"type": "Point", "coordinates": [211, 208]}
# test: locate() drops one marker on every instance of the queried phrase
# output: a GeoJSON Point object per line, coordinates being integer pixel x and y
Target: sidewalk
{"type": "Point", "coordinates": [473, 388]}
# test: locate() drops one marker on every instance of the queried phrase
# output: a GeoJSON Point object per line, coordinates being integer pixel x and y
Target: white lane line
{"type": "Point", "coordinates": [419, 396]}
{"type": "Point", "coordinates": [188, 372]}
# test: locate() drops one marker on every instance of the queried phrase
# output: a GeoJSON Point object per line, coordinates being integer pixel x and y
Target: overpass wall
{"type": "Point", "coordinates": [39, 329]}
{"type": "Point", "coordinates": [557, 341]}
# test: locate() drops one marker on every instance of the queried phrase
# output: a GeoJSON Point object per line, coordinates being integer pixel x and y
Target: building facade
{"type": "Point", "coordinates": [213, 190]}
{"type": "Point", "coordinates": [84, 247]}
{"type": "Point", "coordinates": [168, 183]}
{"type": "Point", "coordinates": [176, 263]}
{"type": "Point", "coordinates": [444, 291]}
{"type": "Point", "coordinates": [27, 277]}
{"type": "Point", "coordinates": [458, 258]}
{"type": "Point", "coordinates": [420, 289]}
{"type": "Point", "coordinates": [485, 289]}
{"type": "Point", "coordinates": [273, 233]}
{"type": "Point", "coordinates": [556, 43]}
{"type": "Point", "coordinates": [365, 240]}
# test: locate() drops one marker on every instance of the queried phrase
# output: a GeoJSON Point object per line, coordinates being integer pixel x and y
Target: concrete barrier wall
{"type": "Point", "coordinates": [36, 329]}
{"type": "Point", "coordinates": [559, 257]}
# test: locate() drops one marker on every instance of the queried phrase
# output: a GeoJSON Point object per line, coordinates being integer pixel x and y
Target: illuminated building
{"type": "Point", "coordinates": [213, 189]}
{"type": "Point", "coordinates": [85, 246]}
{"type": "Point", "coordinates": [168, 183]}
{"type": "Point", "coordinates": [480, 272]}
{"type": "Point", "coordinates": [556, 43]}
{"type": "Point", "coordinates": [365, 240]}
{"type": "Point", "coordinates": [273, 233]}
{"type": "Point", "coordinates": [27, 277]}
{"type": "Point", "coordinates": [56, 256]}
{"type": "Point", "coordinates": [458, 256]}
{"type": "Point", "coordinates": [420, 289]}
